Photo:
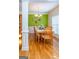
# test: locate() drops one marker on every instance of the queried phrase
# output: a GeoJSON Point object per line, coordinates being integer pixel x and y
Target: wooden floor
{"type": "Point", "coordinates": [41, 50]}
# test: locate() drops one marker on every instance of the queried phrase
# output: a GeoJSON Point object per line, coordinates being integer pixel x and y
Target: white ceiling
{"type": "Point", "coordinates": [43, 0]}
{"type": "Point", "coordinates": [42, 7]}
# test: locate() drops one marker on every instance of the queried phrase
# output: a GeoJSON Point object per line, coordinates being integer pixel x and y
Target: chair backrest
{"type": "Point", "coordinates": [48, 33]}
{"type": "Point", "coordinates": [31, 29]}
{"type": "Point", "coordinates": [48, 30]}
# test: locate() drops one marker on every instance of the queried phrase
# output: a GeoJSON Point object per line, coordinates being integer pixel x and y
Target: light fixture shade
{"type": "Point", "coordinates": [36, 15]}
{"type": "Point", "coordinates": [40, 15]}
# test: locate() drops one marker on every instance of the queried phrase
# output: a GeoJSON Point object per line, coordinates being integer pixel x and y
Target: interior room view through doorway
{"type": "Point", "coordinates": [38, 34]}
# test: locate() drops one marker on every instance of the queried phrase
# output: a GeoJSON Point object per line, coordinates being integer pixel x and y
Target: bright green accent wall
{"type": "Point", "coordinates": [43, 20]}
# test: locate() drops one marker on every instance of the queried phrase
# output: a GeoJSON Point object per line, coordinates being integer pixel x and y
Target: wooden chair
{"type": "Point", "coordinates": [47, 34]}
{"type": "Point", "coordinates": [37, 36]}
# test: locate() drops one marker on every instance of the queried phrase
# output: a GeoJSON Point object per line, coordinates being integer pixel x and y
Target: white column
{"type": "Point", "coordinates": [25, 25]}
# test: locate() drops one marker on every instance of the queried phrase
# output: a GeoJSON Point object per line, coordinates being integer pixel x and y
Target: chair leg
{"type": "Point", "coordinates": [44, 42]}
{"type": "Point", "coordinates": [37, 38]}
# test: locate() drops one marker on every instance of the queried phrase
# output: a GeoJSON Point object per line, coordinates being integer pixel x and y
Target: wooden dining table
{"type": "Point", "coordinates": [39, 33]}
{"type": "Point", "coordinates": [43, 34]}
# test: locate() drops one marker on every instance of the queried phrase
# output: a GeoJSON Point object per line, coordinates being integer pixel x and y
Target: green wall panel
{"type": "Point", "coordinates": [43, 20]}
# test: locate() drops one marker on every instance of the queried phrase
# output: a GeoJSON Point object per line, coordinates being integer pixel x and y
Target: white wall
{"type": "Point", "coordinates": [25, 25]}
{"type": "Point", "coordinates": [51, 13]}
{"type": "Point", "coordinates": [53, 19]}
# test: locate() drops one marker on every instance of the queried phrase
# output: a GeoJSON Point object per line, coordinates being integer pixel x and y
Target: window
{"type": "Point", "coordinates": [55, 24]}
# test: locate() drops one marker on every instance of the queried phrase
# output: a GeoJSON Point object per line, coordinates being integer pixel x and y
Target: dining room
{"type": "Point", "coordinates": [38, 30]}
{"type": "Point", "coordinates": [43, 31]}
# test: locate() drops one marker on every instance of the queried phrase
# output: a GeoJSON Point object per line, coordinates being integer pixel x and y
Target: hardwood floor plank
{"type": "Point", "coordinates": [41, 50]}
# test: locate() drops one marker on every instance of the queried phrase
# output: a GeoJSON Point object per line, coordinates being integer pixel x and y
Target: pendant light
{"type": "Point", "coordinates": [38, 15]}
